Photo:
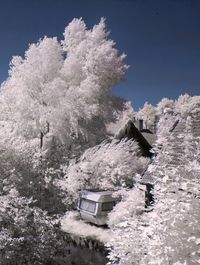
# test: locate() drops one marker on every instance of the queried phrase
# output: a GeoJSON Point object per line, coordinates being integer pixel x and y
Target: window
{"type": "Point", "coordinates": [88, 205]}
{"type": "Point", "coordinates": [107, 206]}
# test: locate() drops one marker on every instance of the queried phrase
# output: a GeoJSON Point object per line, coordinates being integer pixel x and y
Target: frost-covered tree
{"type": "Point", "coordinates": [57, 102]}
{"type": "Point", "coordinates": [128, 243]}
{"type": "Point", "coordinates": [168, 231]}
{"type": "Point", "coordinates": [173, 230]}
{"type": "Point", "coordinates": [109, 165]}
{"type": "Point", "coordinates": [60, 93]}
{"type": "Point", "coordinates": [187, 105]}
{"type": "Point", "coordinates": [164, 106]}
{"type": "Point", "coordinates": [148, 115]}
{"type": "Point", "coordinates": [27, 234]}
{"type": "Point", "coordinates": [122, 117]}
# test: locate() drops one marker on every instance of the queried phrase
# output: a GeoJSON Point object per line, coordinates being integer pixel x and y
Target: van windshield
{"type": "Point", "coordinates": [87, 205]}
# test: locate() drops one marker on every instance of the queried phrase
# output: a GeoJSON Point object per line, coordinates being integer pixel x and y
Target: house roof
{"type": "Point", "coordinates": [130, 131]}
{"type": "Point", "coordinates": [150, 137]}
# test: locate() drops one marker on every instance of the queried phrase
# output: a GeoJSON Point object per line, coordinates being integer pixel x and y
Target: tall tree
{"type": "Point", "coordinates": [63, 90]}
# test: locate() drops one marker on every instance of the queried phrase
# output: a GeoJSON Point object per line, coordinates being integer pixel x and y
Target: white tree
{"type": "Point", "coordinates": [168, 232]}
{"type": "Point", "coordinates": [173, 228]}
{"type": "Point", "coordinates": [63, 91]}
{"type": "Point", "coordinates": [109, 165]}
{"type": "Point", "coordinates": [56, 103]}
{"type": "Point", "coordinates": [122, 117]}
{"type": "Point", "coordinates": [165, 105]}
{"type": "Point", "coordinates": [147, 114]}
{"type": "Point", "coordinates": [127, 223]}
{"type": "Point", "coordinates": [187, 105]}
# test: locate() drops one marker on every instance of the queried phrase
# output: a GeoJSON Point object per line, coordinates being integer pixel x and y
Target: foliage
{"type": "Point", "coordinates": [27, 233]}
{"type": "Point", "coordinates": [109, 165]}
{"type": "Point", "coordinates": [147, 114]}
{"type": "Point", "coordinates": [56, 109]}
{"type": "Point", "coordinates": [56, 103]}
{"type": "Point", "coordinates": [63, 90]}
{"type": "Point", "coordinates": [168, 231]}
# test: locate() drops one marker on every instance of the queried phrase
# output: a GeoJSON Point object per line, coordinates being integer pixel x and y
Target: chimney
{"type": "Point", "coordinates": [141, 125]}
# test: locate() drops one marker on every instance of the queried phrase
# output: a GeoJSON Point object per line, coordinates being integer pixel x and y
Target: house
{"type": "Point", "coordinates": [146, 140]}
{"type": "Point", "coordinates": [144, 137]}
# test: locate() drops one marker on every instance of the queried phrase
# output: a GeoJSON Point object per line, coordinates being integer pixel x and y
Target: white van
{"type": "Point", "coordinates": [94, 206]}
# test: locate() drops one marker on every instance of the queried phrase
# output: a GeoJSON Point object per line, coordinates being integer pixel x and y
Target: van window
{"type": "Point", "coordinates": [107, 206]}
{"type": "Point", "coordinates": [87, 205]}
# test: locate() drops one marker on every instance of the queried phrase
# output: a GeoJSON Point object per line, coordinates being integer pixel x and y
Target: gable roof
{"type": "Point", "coordinates": [130, 131]}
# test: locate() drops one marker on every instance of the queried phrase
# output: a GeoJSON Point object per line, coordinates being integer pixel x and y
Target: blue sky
{"type": "Point", "coordinates": [160, 37]}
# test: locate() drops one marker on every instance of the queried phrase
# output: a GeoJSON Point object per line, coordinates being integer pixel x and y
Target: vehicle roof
{"type": "Point", "coordinates": [98, 196]}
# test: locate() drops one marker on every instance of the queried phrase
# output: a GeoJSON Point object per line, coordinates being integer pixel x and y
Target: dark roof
{"type": "Point", "coordinates": [130, 131]}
